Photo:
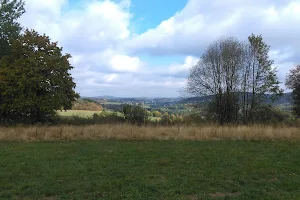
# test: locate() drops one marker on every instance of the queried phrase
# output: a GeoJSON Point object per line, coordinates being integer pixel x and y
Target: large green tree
{"type": "Point", "coordinates": [10, 12]}
{"type": "Point", "coordinates": [35, 80]}
{"type": "Point", "coordinates": [293, 83]}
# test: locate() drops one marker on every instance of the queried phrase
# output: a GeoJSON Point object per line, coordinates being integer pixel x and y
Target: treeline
{"type": "Point", "coordinates": [137, 115]}
{"type": "Point", "coordinates": [171, 109]}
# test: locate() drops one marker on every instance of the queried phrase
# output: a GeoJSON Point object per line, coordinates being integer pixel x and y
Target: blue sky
{"type": "Point", "coordinates": [149, 14]}
{"type": "Point", "coordinates": [139, 48]}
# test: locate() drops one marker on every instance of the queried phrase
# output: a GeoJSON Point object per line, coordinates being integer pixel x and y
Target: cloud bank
{"type": "Point", "coordinates": [107, 52]}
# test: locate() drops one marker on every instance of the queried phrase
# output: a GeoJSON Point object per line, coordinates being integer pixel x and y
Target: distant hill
{"type": "Point", "coordinates": [284, 101]}
{"type": "Point", "coordinates": [106, 97]}
{"type": "Point", "coordinates": [108, 102]}
{"type": "Point", "coordinates": [132, 98]}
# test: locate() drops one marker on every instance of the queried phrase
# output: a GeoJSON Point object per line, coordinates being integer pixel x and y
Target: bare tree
{"type": "Point", "coordinates": [217, 74]}
{"type": "Point", "coordinates": [238, 75]}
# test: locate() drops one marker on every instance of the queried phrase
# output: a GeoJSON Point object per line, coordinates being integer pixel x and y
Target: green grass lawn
{"type": "Point", "coordinates": [79, 113]}
{"type": "Point", "coordinates": [114, 169]}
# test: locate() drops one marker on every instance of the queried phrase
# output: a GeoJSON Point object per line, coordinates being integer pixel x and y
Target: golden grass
{"type": "Point", "coordinates": [129, 132]}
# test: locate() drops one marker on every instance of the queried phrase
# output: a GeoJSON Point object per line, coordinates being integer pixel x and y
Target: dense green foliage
{"type": "Point", "coordinates": [150, 170]}
{"type": "Point", "coordinates": [135, 114]}
{"type": "Point", "coordinates": [35, 80]}
{"type": "Point", "coordinates": [296, 101]}
{"type": "Point", "coordinates": [293, 82]}
{"type": "Point", "coordinates": [34, 75]}
{"type": "Point", "coordinates": [266, 114]}
{"type": "Point", "coordinates": [10, 12]}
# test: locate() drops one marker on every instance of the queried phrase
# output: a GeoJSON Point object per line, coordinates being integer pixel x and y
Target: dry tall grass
{"type": "Point", "coordinates": [129, 132]}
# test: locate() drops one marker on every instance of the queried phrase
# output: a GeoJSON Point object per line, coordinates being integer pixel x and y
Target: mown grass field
{"type": "Point", "coordinates": [152, 169]}
{"type": "Point", "coordinates": [79, 113]}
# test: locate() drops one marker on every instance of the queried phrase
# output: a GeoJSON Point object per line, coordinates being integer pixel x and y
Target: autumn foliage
{"type": "Point", "coordinates": [86, 105]}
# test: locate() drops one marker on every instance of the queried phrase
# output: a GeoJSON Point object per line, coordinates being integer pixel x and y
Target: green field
{"type": "Point", "coordinates": [112, 169]}
{"type": "Point", "coordinates": [79, 113]}
{"type": "Point", "coordinates": [113, 103]}
{"type": "Point", "coordinates": [121, 103]}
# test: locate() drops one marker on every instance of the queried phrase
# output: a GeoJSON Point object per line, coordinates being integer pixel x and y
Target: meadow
{"type": "Point", "coordinates": [78, 113]}
{"type": "Point", "coordinates": [132, 132]}
{"type": "Point", "coordinates": [149, 162]}
{"type": "Point", "coordinates": [149, 169]}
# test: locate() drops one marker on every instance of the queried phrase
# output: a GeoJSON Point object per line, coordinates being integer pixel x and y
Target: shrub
{"type": "Point", "coordinates": [267, 114]}
{"type": "Point", "coordinates": [157, 114]}
{"type": "Point", "coordinates": [135, 114]}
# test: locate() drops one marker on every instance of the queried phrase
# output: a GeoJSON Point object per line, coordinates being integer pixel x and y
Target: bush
{"type": "Point", "coordinates": [166, 120]}
{"type": "Point", "coordinates": [135, 114]}
{"type": "Point", "coordinates": [267, 114]}
{"type": "Point", "coordinates": [157, 114]}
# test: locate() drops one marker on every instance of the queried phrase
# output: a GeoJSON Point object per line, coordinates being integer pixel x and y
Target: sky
{"type": "Point", "coordinates": [145, 48]}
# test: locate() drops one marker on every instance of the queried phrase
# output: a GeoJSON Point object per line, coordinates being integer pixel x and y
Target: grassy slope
{"type": "Point", "coordinates": [112, 169]}
{"type": "Point", "coordinates": [79, 113]}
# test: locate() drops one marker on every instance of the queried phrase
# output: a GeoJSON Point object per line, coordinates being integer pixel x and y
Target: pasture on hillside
{"type": "Point", "coordinates": [150, 169]}
{"type": "Point", "coordinates": [78, 113]}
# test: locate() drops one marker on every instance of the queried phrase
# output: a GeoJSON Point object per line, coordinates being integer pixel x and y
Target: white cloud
{"type": "Point", "coordinates": [190, 31]}
{"type": "Point", "coordinates": [201, 22]}
{"type": "Point", "coordinates": [107, 61]}
{"type": "Point", "coordinates": [105, 51]}
{"type": "Point", "coordinates": [94, 26]}
{"type": "Point", "coordinates": [188, 63]}
{"type": "Point", "coordinates": [52, 7]}
{"type": "Point", "coordinates": [125, 63]}
{"type": "Point", "coordinates": [110, 77]}
{"type": "Point", "coordinates": [91, 32]}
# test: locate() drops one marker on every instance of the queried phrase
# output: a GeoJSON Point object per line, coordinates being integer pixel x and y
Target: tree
{"type": "Point", "coordinates": [135, 114]}
{"type": "Point", "coordinates": [259, 76]}
{"type": "Point", "coordinates": [166, 119]}
{"type": "Point", "coordinates": [217, 74]}
{"type": "Point", "coordinates": [293, 83]}
{"type": "Point", "coordinates": [10, 12]}
{"type": "Point", "coordinates": [35, 80]}
{"type": "Point", "coordinates": [237, 75]}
